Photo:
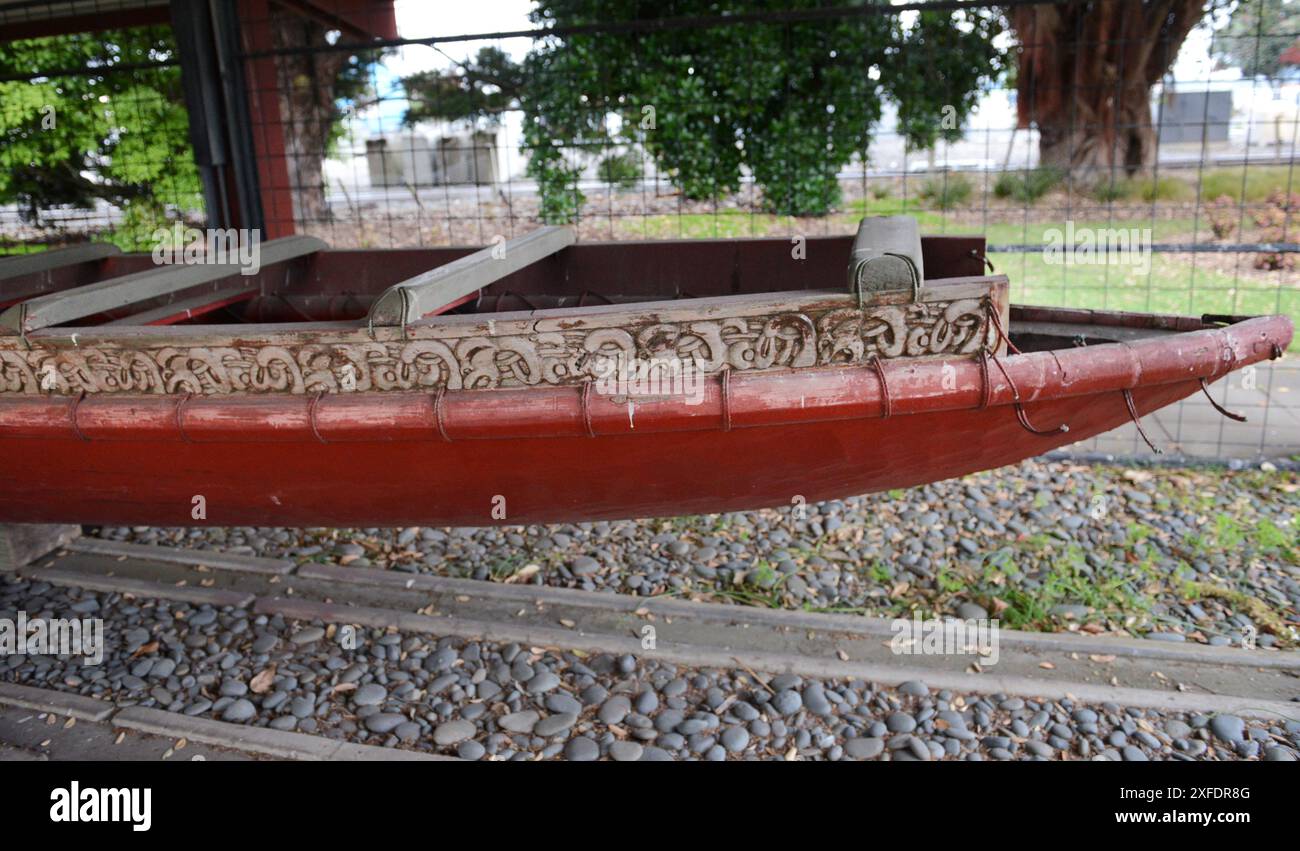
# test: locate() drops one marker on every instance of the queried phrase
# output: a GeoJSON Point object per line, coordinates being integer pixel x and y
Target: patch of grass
{"type": "Point", "coordinates": [1065, 577]}
{"type": "Point", "coordinates": [946, 191]}
{"type": "Point", "coordinates": [1254, 608]}
{"type": "Point", "coordinates": [880, 573]}
{"type": "Point", "coordinates": [1247, 183]}
{"type": "Point", "coordinates": [1028, 186]}
{"type": "Point", "coordinates": [1271, 538]}
{"type": "Point", "coordinates": [503, 569]}
{"type": "Point", "coordinates": [1171, 285]}
{"type": "Point", "coordinates": [1143, 188]}
{"type": "Point", "coordinates": [729, 224]}
{"type": "Point", "coordinates": [950, 582]}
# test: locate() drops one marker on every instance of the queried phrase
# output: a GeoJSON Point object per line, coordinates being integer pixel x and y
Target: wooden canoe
{"type": "Point", "coordinates": [317, 393]}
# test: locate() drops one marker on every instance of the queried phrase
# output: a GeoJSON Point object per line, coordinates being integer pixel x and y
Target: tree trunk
{"type": "Point", "coordinates": [306, 88]}
{"type": "Point", "coordinates": [1085, 76]}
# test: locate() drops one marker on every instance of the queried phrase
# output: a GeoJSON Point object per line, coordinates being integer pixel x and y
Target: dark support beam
{"type": "Point", "coordinates": [24, 543]}
{"type": "Point", "coordinates": [207, 41]}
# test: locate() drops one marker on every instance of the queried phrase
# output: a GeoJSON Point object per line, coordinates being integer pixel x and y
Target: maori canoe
{"type": "Point", "coordinates": [539, 380]}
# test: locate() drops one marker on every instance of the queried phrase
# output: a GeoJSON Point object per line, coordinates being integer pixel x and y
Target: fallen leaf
{"type": "Point", "coordinates": [1103, 658]}
{"type": "Point", "coordinates": [1047, 665]}
{"type": "Point", "coordinates": [151, 647]}
{"type": "Point", "coordinates": [261, 683]}
{"type": "Point", "coordinates": [523, 573]}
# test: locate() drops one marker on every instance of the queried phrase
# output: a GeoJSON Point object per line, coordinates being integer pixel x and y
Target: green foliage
{"type": "Point", "coordinates": [947, 190]}
{"type": "Point", "coordinates": [121, 137]}
{"type": "Point", "coordinates": [1028, 186]}
{"type": "Point", "coordinates": [789, 102]}
{"type": "Point", "coordinates": [1142, 189]}
{"type": "Point", "coordinates": [621, 170]}
{"type": "Point", "coordinates": [97, 135]}
{"type": "Point", "coordinates": [481, 89]}
{"type": "Point", "coordinates": [1254, 183]}
{"type": "Point", "coordinates": [1256, 34]}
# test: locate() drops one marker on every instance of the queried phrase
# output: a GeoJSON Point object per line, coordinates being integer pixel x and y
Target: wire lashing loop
{"type": "Point", "coordinates": [1205, 388]}
{"type": "Point", "coordinates": [986, 395]}
{"type": "Point", "coordinates": [886, 403]}
{"type": "Point", "coordinates": [1132, 412]}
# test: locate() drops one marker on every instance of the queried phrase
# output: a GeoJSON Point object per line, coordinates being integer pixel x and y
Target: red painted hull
{"type": "Point", "coordinates": [549, 454]}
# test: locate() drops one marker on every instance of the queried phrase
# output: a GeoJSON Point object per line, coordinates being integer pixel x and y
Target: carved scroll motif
{"type": "Point", "coordinates": [789, 340]}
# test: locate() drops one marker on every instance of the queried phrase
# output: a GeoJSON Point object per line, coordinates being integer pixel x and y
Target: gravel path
{"type": "Point", "coordinates": [1173, 554]}
{"type": "Point", "coordinates": [486, 700]}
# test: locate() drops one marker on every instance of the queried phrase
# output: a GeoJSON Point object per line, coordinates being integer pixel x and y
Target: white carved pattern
{"type": "Point", "coordinates": [788, 340]}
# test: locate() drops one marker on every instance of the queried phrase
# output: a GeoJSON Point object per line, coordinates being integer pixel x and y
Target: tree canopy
{"type": "Point", "coordinates": [97, 133]}
{"type": "Point", "coordinates": [791, 102]}
{"type": "Point", "coordinates": [1256, 35]}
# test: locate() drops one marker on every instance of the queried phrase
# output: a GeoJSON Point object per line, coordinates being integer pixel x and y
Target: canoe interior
{"type": "Point", "coordinates": [341, 285]}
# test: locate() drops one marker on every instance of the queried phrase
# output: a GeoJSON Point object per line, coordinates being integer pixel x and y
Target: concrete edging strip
{"type": "Point", "coordinates": [178, 555]}
{"type": "Point", "coordinates": [139, 587]}
{"type": "Point", "coordinates": [260, 740]}
{"type": "Point", "coordinates": [1064, 642]}
{"type": "Point", "coordinates": [776, 663]}
{"type": "Point", "coordinates": [59, 703]}
{"type": "Point", "coordinates": [864, 625]}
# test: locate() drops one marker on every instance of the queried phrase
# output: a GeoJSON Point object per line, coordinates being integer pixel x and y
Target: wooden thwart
{"type": "Point", "coordinates": [432, 291]}
{"type": "Point", "coordinates": [45, 261]}
{"type": "Point", "coordinates": [77, 303]}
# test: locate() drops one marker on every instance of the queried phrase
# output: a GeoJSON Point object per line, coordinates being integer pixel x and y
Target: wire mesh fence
{"type": "Point", "coordinates": [1115, 157]}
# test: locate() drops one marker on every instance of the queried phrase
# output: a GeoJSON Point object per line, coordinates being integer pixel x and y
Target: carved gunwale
{"type": "Point", "coordinates": [523, 348]}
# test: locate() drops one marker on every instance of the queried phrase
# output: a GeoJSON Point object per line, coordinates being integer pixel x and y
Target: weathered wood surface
{"type": "Point", "coordinates": [188, 308]}
{"type": "Point", "coordinates": [433, 290]}
{"type": "Point", "coordinates": [20, 265]}
{"type": "Point", "coordinates": [92, 299]}
{"type": "Point", "coordinates": [24, 543]}
{"type": "Point", "coordinates": [563, 454]}
{"type": "Point", "coordinates": [516, 349]}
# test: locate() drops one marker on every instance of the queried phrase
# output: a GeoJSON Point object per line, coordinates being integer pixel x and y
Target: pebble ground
{"type": "Point", "coordinates": [489, 700]}
{"type": "Point", "coordinates": [1198, 555]}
